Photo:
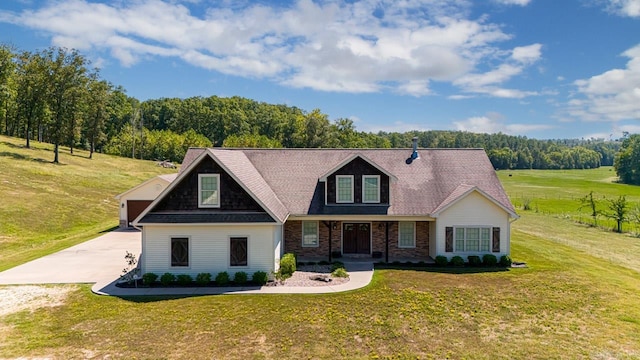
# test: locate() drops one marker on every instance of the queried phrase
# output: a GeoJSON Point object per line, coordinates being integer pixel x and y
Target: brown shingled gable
{"type": "Point", "coordinates": [293, 175]}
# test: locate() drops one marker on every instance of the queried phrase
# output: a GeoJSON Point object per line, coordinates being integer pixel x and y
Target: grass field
{"type": "Point", "coordinates": [577, 299]}
{"type": "Point", "coordinates": [46, 207]}
{"type": "Point", "coordinates": [558, 192]}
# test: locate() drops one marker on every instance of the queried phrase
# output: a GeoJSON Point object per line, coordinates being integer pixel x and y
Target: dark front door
{"type": "Point", "coordinates": [356, 238]}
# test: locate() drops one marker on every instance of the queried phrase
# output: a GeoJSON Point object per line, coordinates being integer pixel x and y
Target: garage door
{"type": "Point", "coordinates": [135, 208]}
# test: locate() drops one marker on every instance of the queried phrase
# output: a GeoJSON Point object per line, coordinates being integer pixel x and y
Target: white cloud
{"type": "Point", "coordinates": [527, 54]}
{"type": "Point", "coordinates": [493, 124]}
{"type": "Point", "coordinates": [364, 46]}
{"type": "Point", "coordinates": [488, 83]}
{"type": "Point", "coordinates": [613, 95]}
{"type": "Point", "coordinates": [629, 8]}
{"type": "Point", "coordinates": [513, 2]}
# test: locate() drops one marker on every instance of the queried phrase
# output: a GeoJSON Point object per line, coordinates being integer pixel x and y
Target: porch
{"type": "Point", "coordinates": [354, 241]}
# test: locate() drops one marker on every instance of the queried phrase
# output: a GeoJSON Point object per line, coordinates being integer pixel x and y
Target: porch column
{"type": "Point", "coordinates": [386, 241]}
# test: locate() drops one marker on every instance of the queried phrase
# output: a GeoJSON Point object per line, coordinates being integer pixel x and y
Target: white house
{"type": "Point", "coordinates": [241, 209]}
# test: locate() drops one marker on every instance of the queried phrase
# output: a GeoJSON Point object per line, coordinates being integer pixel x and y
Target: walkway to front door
{"type": "Point", "coordinates": [356, 238]}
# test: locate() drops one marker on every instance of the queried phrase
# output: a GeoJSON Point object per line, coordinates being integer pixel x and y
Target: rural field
{"type": "Point", "coordinates": [576, 299]}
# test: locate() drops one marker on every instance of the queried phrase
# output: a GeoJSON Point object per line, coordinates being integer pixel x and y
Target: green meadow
{"type": "Point", "coordinates": [577, 298]}
{"type": "Point", "coordinates": [46, 207]}
{"type": "Point", "coordinates": [558, 192]}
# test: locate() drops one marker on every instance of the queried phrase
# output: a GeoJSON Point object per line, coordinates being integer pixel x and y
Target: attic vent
{"type": "Point", "coordinates": [414, 154]}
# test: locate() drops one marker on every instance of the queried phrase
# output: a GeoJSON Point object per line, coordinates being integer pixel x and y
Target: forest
{"type": "Point", "coordinates": [53, 95]}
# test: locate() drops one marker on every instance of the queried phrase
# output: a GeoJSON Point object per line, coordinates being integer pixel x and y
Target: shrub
{"type": "Point", "coordinates": [300, 263]}
{"type": "Point", "coordinates": [336, 265]}
{"type": "Point", "coordinates": [311, 263]}
{"type": "Point", "coordinates": [505, 261]}
{"type": "Point", "coordinates": [340, 272]}
{"type": "Point", "coordinates": [167, 278]}
{"type": "Point", "coordinates": [474, 260]}
{"type": "Point", "coordinates": [323, 262]}
{"type": "Point", "coordinates": [203, 279]}
{"type": "Point", "coordinates": [457, 261]}
{"type": "Point", "coordinates": [240, 278]}
{"type": "Point", "coordinates": [409, 264]}
{"type": "Point", "coordinates": [441, 260]}
{"type": "Point", "coordinates": [260, 277]}
{"type": "Point", "coordinates": [489, 260]}
{"type": "Point", "coordinates": [184, 279]}
{"type": "Point", "coordinates": [287, 266]}
{"type": "Point", "coordinates": [149, 278]}
{"type": "Point", "coordinates": [222, 279]}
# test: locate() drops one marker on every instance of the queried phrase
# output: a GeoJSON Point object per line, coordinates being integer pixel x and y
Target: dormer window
{"type": "Point", "coordinates": [370, 188]}
{"type": "Point", "coordinates": [209, 190]}
{"type": "Point", "coordinates": [344, 185]}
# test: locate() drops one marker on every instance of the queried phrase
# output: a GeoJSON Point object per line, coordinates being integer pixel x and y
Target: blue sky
{"type": "Point", "coordinates": [538, 68]}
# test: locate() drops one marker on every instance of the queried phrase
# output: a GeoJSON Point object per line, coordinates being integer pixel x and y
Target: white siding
{"type": "Point", "coordinates": [148, 191]}
{"type": "Point", "coordinates": [473, 210]}
{"type": "Point", "coordinates": [208, 248]}
{"type": "Point", "coordinates": [277, 245]}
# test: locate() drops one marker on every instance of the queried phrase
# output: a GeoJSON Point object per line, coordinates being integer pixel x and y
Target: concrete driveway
{"type": "Point", "coordinates": [97, 260]}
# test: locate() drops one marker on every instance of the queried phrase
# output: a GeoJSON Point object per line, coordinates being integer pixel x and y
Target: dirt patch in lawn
{"type": "Point", "coordinates": [31, 297]}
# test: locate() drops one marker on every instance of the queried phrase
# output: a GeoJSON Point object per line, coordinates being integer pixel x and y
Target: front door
{"type": "Point", "coordinates": [356, 238]}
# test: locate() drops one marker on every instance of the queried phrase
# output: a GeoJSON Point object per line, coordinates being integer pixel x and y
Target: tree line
{"type": "Point", "coordinates": [54, 96]}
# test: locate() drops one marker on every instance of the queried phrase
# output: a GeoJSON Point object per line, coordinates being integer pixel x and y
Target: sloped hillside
{"type": "Point", "coordinates": [45, 207]}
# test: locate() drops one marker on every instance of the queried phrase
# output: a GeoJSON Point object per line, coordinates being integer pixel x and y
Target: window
{"type": "Point", "coordinates": [472, 239]}
{"type": "Point", "coordinates": [406, 234]}
{"type": "Point", "coordinates": [209, 190]}
{"type": "Point", "coordinates": [238, 251]}
{"type": "Point", "coordinates": [344, 188]}
{"type": "Point", "coordinates": [371, 188]}
{"type": "Point", "coordinates": [179, 251]}
{"type": "Point", "coordinates": [309, 233]}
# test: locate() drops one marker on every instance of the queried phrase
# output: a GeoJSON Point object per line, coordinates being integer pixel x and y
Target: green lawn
{"type": "Point", "coordinates": [558, 192]}
{"type": "Point", "coordinates": [566, 305]}
{"type": "Point", "coordinates": [46, 207]}
{"type": "Point", "coordinates": [577, 298]}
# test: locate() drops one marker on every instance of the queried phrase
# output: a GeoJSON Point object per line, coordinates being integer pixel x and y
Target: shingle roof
{"type": "Point", "coordinates": [239, 166]}
{"type": "Point", "coordinates": [423, 186]}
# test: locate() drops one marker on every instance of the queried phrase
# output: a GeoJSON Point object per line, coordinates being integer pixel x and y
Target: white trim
{"type": "Point", "coordinates": [185, 173]}
{"type": "Point", "coordinates": [352, 189]}
{"type": "Point", "coordinates": [465, 194]}
{"type": "Point", "coordinates": [362, 218]}
{"type": "Point", "coordinates": [414, 236]}
{"type": "Point", "coordinates": [317, 234]}
{"type": "Point", "coordinates": [159, 177]}
{"type": "Point", "coordinates": [229, 252]}
{"type": "Point", "coordinates": [202, 176]}
{"type": "Point", "coordinates": [479, 227]}
{"type": "Point", "coordinates": [171, 237]}
{"type": "Point", "coordinates": [364, 177]}
{"type": "Point", "coordinates": [211, 224]}
{"type": "Point", "coordinates": [350, 159]}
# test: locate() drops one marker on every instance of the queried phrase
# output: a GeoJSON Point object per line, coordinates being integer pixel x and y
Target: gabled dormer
{"type": "Point", "coordinates": [359, 181]}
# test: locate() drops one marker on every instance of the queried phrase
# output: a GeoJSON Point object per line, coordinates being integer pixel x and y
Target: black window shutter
{"type": "Point", "coordinates": [496, 240]}
{"type": "Point", "coordinates": [448, 239]}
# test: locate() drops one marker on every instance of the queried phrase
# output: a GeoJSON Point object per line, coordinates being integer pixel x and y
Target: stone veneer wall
{"type": "Point", "coordinates": [293, 240]}
{"type": "Point", "coordinates": [420, 252]}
